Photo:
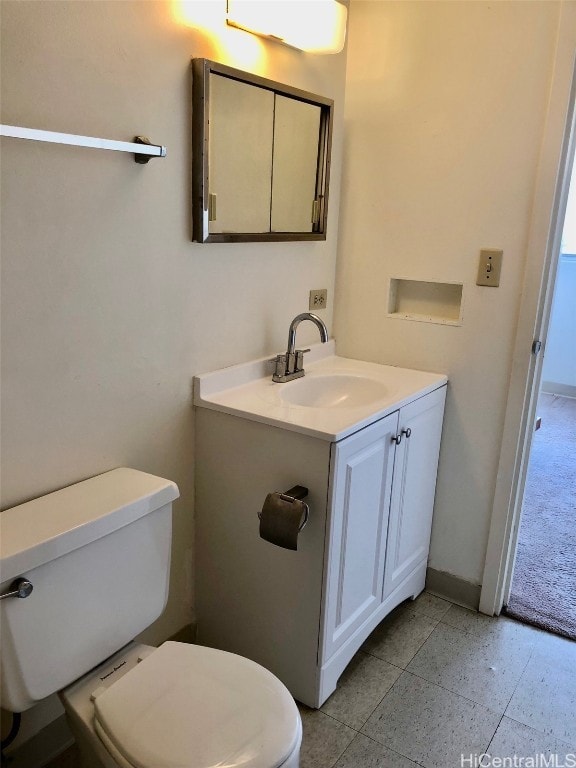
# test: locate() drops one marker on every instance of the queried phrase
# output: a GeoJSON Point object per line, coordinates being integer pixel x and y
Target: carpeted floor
{"type": "Point", "coordinates": [544, 583]}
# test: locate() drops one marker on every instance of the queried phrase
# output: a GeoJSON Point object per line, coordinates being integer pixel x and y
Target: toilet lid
{"type": "Point", "coordinates": [186, 706]}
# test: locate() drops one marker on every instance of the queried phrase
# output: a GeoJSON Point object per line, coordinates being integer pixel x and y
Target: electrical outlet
{"type": "Point", "coordinates": [318, 299]}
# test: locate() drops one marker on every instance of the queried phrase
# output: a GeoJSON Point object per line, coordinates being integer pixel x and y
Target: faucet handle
{"type": "Point", "coordinates": [280, 361]}
{"type": "Point", "coordinates": [300, 359]}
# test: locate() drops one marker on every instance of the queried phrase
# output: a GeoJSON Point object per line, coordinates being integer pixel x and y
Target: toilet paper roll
{"type": "Point", "coordinates": [282, 519]}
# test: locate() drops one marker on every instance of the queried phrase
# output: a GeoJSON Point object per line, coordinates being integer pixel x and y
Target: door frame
{"type": "Point", "coordinates": [549, 208]}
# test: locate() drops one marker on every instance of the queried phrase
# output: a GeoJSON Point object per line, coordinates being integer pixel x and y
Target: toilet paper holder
{"type": "Point", "coordinates": [296, 493]}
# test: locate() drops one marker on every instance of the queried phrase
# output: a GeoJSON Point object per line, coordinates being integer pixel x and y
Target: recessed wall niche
{"type": "Point", "coordinates": [425, 301]}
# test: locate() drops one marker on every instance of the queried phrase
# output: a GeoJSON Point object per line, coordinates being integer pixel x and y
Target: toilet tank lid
{"type": "Point", "coordinates": [46, 528]}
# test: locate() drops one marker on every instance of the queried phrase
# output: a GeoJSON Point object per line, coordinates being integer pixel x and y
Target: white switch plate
{"type": "Point", "coordinates": [489, 267]}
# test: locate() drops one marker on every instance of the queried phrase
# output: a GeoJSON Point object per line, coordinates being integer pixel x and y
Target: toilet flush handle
{"type": "Point", "coordinates": [19, 588]}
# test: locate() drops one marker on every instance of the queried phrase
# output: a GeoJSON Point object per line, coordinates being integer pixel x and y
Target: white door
{"type": "Point", "coordinates": [361, 480]}
{"type": "Point", "coordinates": [414, 486]}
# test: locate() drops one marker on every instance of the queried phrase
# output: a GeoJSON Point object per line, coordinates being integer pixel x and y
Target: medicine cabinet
{"type": "Point", "coordinates": [261, 158]}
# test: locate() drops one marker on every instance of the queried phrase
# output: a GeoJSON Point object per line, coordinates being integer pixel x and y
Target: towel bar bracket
{"type": "Point", "coordinates": [143, 159]}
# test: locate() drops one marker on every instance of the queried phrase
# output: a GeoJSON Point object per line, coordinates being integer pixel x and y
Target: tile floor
{"type": "Point", "coordinates": [435, 681]}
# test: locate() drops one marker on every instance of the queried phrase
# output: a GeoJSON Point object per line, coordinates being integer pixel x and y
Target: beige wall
{"type": "Point", "coordinates": [108, 308]}
{"type": "Point", "coordinates": [445, 108]}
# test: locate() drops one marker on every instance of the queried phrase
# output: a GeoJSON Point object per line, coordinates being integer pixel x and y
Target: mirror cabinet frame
{"type": "Point", "coordinates": [202, 69]}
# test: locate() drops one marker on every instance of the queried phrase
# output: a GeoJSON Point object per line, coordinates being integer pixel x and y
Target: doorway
{"type": "Point", "coordinates": [544, 245]}
{"type": "Point", "coordinates": [543, 586]}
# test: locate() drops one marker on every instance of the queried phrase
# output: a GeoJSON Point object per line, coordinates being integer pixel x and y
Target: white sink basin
{"type": "Point", "coordinates": [336, 397]}
{"type": "Point", "coordinates": [333, 391]}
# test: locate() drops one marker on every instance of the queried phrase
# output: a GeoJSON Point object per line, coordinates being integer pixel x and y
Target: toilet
{"type": "Point", "coordinates": [97, 555]}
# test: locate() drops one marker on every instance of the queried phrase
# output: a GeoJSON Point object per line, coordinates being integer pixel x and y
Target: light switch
{"type": "Point", "coordinates": [489, 267]}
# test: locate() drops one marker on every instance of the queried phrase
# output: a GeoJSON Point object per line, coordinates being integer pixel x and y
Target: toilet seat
{"type": "Point", "coordinates": [195, 707]}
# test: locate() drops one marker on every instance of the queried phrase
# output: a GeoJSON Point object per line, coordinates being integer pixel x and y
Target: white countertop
{"type": "Point", "coordinates": [247, 390]}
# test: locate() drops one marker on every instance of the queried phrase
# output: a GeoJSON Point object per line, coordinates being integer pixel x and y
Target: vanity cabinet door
{"type": "Point", "coordinates": [361, 482]}
{"type": "Point", "coordinates": [414, 485]}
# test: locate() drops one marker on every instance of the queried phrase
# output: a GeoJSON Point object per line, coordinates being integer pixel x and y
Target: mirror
{"type": "Point", "coordinates": [261, 158]}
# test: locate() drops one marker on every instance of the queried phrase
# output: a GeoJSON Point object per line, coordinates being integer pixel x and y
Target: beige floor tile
{"type": "Point", "coordinates": [430, 605]}
{"type": "Point", "coordinates": [398, 638]}
{"type": "Point", "coordinates": [485, 669]}
{"type": "Point", "coordinates": [514, 740]}
{"type": "Point", "coordinates": [324, 739]}
{"type": "Point", "coordinates": [361, 688]}
{"type": "Point", "coordinates": [430, 725]}
{"type": "Point", "coordinates": [488, 626]}
{"type": "Point", "coordinates": [545, 698]}
{"type": "Point", "coordinates": [366, 753]}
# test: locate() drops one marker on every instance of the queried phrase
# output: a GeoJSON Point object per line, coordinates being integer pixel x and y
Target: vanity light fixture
{"type": "Point", "coordinates": [315, 26]}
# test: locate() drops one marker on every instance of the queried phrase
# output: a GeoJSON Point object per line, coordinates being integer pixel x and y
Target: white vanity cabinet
{"type": "Point", "coordinates": [303, 614]}
{"type": "Point", "coordinates": [383, 480]}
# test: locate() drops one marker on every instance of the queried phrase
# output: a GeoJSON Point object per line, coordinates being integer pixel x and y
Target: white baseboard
{"type": "Point", "coordinates": [555, 388]}
{"type": "Point", "coordinates": [453, 588]}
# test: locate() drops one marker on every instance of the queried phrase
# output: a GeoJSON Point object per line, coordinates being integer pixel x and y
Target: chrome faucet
{"type": "Point", "coordinates": [290, 365]}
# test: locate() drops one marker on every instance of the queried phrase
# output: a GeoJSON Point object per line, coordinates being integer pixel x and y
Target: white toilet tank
{"type": "Point", "coordinates": [97, 554]}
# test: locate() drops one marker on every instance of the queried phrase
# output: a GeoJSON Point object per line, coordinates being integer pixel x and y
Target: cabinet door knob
{"type": "Point", "coordinates": [398, 438]}
{"type": "Point", "coordinates": [19, 588]}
